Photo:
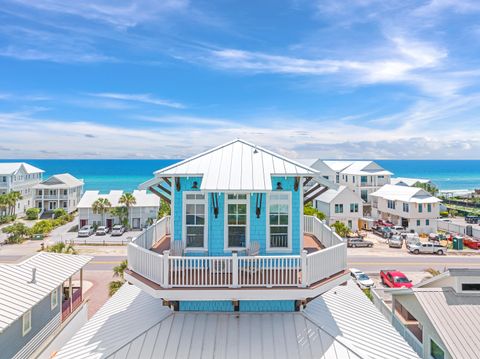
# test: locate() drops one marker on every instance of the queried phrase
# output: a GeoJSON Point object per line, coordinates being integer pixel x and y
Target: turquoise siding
{"type": "Point", "coordinates": [206, 306]}
{"type": "Point", "coordinates": [258, 226]}
{"type": "Point", "coordinates": [267, 305]}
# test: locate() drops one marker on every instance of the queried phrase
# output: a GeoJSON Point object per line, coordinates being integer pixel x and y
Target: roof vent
{"type": "Point", "coordinates": [255, 151]}
{"type": "Point", "coordinates": [34, 275]}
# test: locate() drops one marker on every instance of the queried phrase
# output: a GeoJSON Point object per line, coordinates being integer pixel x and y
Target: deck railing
{"type": "Point", "coordinates": [237, 271]}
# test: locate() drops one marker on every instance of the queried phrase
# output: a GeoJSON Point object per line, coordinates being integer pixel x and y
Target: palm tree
{"type": "Point", "coordinates": [118, 272]}
{"type": "Point", "coordinates": [11, 200]}
{"type": "Point", "coordinates": [101, 206]}
{"type": "Point", "coordinates": [128, 200]}
{"type": "Point", "coordinates": [61, 247]}
{"type": "Point", "coordinates": [3, 204]}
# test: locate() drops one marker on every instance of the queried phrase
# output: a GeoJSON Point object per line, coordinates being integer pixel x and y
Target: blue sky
{"type": "Point", "coordinates": [166, 79]}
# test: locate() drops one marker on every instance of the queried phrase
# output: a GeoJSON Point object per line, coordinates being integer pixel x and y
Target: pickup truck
{"type": "Point", "coordinates": [394, 279]}
{"type": "Point", "coordinates": [427, 248]}
{"type": "Point", "coordinates": [384, 232]}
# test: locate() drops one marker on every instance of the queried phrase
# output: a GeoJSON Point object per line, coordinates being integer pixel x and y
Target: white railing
{"type": "Point", "coordinates": [318, 228]}
{"type": "Point", "coordinates": [237, 271]}
{"type": "Point", "coordinates": [324, 263]}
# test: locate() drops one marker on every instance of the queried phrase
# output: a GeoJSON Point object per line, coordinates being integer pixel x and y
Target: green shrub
{"type": "Point", "coordinates": [309, 210]}
{"type": "Point", "coordinates": [32, 213]}
{"type": "Point", "coordinates": [42, 227]}
{"type": "Point", "coordinates": [7, 218]}
{"type": "Point", "coordinates": [59, 212]}
{"type": "Point", "coordinates": [341, 229]}
{"type": "Point", "coordinates": [17, 232]}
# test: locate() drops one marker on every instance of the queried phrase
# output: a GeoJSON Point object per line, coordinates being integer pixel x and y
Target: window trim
{"type": "Point", "coordinates": [340, 208]}
{"type": "Point", "coordinates": [28, 315]}
{"type": "Point", "coordinates": [184, 221]}
{"type": "Point", "coordinates": [54, 303]}
{"type": "Point", "coordinates": [226, 201]}
{"type": "Point", "coordinates": [438, 345]}
{"type": "Point", "coordinates": [289, 233]}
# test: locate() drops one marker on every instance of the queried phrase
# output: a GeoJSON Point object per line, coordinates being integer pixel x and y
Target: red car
{"type": "Point", "coordinates": [471, 243]}
{"type": "Point", "coordinates": [383, 223]}
{"type": "Point", "coordinates": [395, 279]}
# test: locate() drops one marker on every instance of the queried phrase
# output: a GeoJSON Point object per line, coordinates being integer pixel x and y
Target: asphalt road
{"type": "Point", "coordinates": [374, 263]}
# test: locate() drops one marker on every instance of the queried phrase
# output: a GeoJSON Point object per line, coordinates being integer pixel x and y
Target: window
{"type": "Point", "coordinates": [237, 228]}
{"type": "Point", "coordinates": [427, 222]}
{"type": "Point", "coordinates": [391, 204]}
{"type": "Point", "coordinates": [26, 322]}
{"type": "Point", "coordinates": [429, 207]}
{"type": "Point", "coordinates": [346, 178]}
{"type": "Point", "coordinates": [406, 207]}
{"type": "Point", "coordinates": [353, 179]}
{"type": "Point", "coordinates": [279, 217]}
{"type": "Point", "coordinates": [471, 286]}
{"type": "Point", "coordinates": [418, 223]}
{"type": "Point", "coordinates": [380, 176]}
{"type": "Point", "coordinates": [65, 192]}
{"type": "Point", "coordinates": [195, 207]}
{"type": "Point", "coordinates": [364, 195]}
{"type": "Point", "coordinates": [350, 224]}
{"type": "Point", "coordinates": [363, 179]}
{"type": "Point", "coordinates": [54, 299]}
{"type": "Point", "coordinates": [338, 208]}
{"type": "Point", "coordinates": [420, 208]}
{"type": "Point", "coordinates": [435, 351]}
{"type": "Point", "coordinates": [337, 178]}
{"type": "Point", "coordinates": [353, 207]}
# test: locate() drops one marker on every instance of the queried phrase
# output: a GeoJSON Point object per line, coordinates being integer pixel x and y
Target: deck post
{"type": "Point", "coordinates": [303, 260]}
{"type": "Point", "coordinates": [234, 270]}
{"type": "Point", "coordinates": [70, 292]}
{"type": "Point", "coordinates": [166, 271]}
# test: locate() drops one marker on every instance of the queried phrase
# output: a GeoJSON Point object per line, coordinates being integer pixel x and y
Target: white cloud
{"type": "Point", "coordinates": [144, 98]}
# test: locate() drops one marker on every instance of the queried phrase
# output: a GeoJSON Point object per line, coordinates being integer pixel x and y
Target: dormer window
{"type": "Point", "coordinates": [236, 231]}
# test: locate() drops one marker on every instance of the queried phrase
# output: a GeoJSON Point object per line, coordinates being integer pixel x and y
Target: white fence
{"type": "Point", "coordinates": [458, 228]}
{"type": "Point", "coordinates": [237, 271]}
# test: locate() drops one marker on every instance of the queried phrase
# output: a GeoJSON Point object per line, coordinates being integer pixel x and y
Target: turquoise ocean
{"type": "Point", "coordinates": [105, 175]}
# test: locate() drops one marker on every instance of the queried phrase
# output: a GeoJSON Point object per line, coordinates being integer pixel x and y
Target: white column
{"type": "Point", "coordinates": [304, 269]}
{"type": "Point", "coordinates": [234, 270]}
{"type": "Point", "coordinates": [166, 273]}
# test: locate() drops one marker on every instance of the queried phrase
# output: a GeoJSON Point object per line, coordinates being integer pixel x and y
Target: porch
{"type": "Point", "coordinates": [71, 295]}
{"type": "Point", "coordinates": [322, 260]}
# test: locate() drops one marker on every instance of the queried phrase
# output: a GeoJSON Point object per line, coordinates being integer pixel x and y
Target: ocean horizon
{"type": "Point", "coordinates": [124, 174]}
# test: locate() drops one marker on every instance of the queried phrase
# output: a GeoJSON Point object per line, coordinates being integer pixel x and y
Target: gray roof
{"type": "Point", "coordinates": [18, 294]}
{"type": "Point", "coordinates": [341, 324]}
{"type": "Point", "coordinates": [61, 180]}
{"type": "Point", "coordinates": [456, 318]}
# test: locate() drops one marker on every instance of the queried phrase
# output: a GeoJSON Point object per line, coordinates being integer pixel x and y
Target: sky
{"type": "Point", "coordinates": [373, 79]}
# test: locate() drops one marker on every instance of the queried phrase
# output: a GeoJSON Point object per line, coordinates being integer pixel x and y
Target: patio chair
{"type": "Point", "coordinates": [254, 249]}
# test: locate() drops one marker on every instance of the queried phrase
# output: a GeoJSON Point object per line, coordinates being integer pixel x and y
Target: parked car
{"type": "Point", "coordinates": [427, 248]}
{"type": "Point", "coordinates": [361, 278]}
{"type": "Point", "coordinates": [384, 232]}
{"type": "Point", "coordinates": [102, 230]}
{"type": "Point", "coordinates": [395, 242]}
{"type": "Point", "coordinates": [358, 242]}
{"type": "Point", "coordinates": [86, 231]}
{"type": "Point", "coordinates": [397, 229]}
{"type": "Point", "coordinates": [472, 219]}
{"type": "Point", "coordinates": [382, 223]}
{"type": "Point", "coordinates": [394, 279]}
{"type": "Point", "coordinates": [471, 243]}
{"type": "Point", "coordinates": [118, 230]}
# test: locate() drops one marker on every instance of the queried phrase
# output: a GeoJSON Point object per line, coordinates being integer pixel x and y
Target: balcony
{"type": "Point", "coordinates": [320, 267]}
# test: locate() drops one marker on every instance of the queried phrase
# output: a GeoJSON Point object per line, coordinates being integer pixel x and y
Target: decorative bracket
{"type": "Point", "coordinates": [297, 183]}
{"type": "Point", "coordinates": [177, 184]}
{"type": "Point", "coordinates": [215, 204]}
{"type": "Point", "coordinates": [258, 205]}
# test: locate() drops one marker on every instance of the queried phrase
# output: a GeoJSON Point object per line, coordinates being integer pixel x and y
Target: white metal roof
{"type": "Point", "coordinates": [405, 194]}
{"type": "Point", "coordinates": [329, 195]}
{"type": "Point", "coordinates": [362, 168]}
{"type": "Point", "coordinates": [142, 198]}
{"type": "Point", "coordinates": [63, 180]}
{"type": "Point", "coordinates": [18, 294]}
{"type": "Point", "coordinates": [455, 317]}
{"type": "Point", "coordinates": [341, 324]}
{"type": "Point", "coordinates": [7, 168]}
{"type": "Point", "coordinates": [234, 166]}
{"type": "Point", "coordinates": [408, 181]}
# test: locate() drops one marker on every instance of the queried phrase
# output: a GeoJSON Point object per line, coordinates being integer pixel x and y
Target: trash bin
{"type": "Point", "coordinates": [38, 237]}
{"type": "Point", "coordinates": [458, 243]}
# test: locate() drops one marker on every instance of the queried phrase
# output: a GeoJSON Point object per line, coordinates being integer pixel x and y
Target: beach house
{"type": "Point", "coordinates": [41, 304]}
{"type": "Point", "coordinates": [340, 205]}
{"type": "Point", "coordinates": [59, 191]}
{"type": "Point", "coordinates": [20, 177]}
{"type": "Point", "coordinates": [410, 182]}
{"type": "Point", "coordinates": [139, 214]}
{"type": "Point", "coordinates": [410, 207]}
{"type": "Point", "coordinates": [439, 316]}
{"type": "Point", "coordinates": [237, 271]}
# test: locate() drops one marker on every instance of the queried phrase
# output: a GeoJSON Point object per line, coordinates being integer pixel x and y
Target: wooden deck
{"type": "Point", "coordinates": [310, 243]}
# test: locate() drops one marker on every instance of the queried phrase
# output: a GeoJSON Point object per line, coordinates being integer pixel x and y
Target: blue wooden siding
{"type": "Point", "coordinates": [258, 226]}
{"type": "Point", "coordinates": [244, 306]}
{"type": "Point", "coordinates": [206, 306]}
{"type": "Point", "coordinates": [12, 340]}
{"type": "Point", "coordinates": [267, 305]}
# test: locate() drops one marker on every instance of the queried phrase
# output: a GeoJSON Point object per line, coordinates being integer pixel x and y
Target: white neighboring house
{"type": "Point", "coordinates": [342, 205]}
{"type": "Point", "coordinates": [145, 209]}
{"type": "Point", "coordinates": [58, 191]}
{"type": "Point", "coordinates": [362, 177]}
{"type": "Point", "coordinates": [410, 207]}
{"type": "Point", "coordinates": [20, 177]}
{"type": "Point", "coordinates": [410, 182]}
{"type": "Point", "coordinates": [439, 317]}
